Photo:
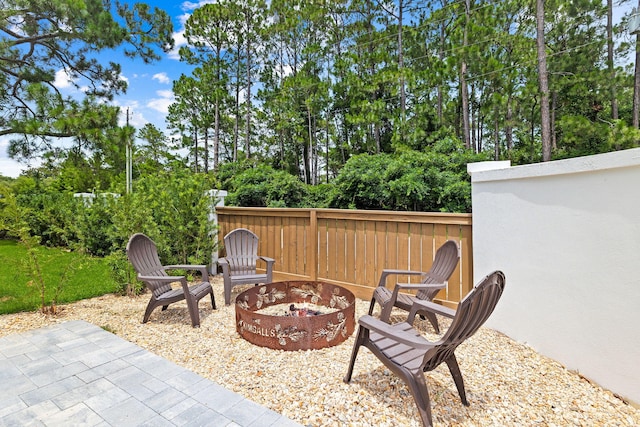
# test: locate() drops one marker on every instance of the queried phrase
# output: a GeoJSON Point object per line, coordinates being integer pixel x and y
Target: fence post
{"type": "Point", "coordinates": [312, 238]}
{"type": "Point", "coordinates": [216, 198]}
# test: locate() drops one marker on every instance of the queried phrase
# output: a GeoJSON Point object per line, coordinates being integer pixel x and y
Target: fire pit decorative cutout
{"type": "Point", "coordinates": [295, 315]}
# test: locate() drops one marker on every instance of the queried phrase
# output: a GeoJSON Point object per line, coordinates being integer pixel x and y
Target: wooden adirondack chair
{"type": "Point", "coordinates": [444, 263]}
{"type": "Point", "coordinates": [403, 350]}
{"type": "Point", "coordinates": [239, 264]}
{"type": "Point", "coordinates": [143, 254]}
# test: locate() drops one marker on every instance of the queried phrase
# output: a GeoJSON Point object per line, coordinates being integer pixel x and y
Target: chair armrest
{"type": "Point", "coordinates": [389, 272]}
{"type": "Point", "coordinates": [169, 279]}
{"type": "Point", "coordinates": [386, 309]}
{"type": "Point", "coordinates": [199, 267]}
{"type": "Point", "coordinates": [226, 273]}
{"type": "Point", "coordinates": [165, 279]}
{"type": "Point", "coordinates": [422, 305]}
{"type": "Point", "coordinates": [419, 286]}
{"type": "Point", "coordinates": [186, 266]}
{"type": "Point", "coordinates": [393, 332]}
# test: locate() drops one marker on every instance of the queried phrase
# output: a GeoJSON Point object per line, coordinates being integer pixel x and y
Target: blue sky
{"type": "Point", "coordinates": [150, 85]}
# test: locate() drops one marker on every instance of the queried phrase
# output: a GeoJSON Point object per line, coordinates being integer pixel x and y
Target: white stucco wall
{"type": "Point", "coordinates": [567, 236]}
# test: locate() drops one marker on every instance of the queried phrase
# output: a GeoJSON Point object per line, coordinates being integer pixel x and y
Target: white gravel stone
{"type": "Point", "coordinates": [507, 383]}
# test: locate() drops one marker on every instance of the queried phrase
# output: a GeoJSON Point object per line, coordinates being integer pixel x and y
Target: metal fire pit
{"type": "Point", "coordinates": [292, 332]}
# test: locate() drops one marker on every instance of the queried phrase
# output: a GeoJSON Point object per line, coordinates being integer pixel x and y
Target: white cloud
{"type": "Point", "coordinates": [162, 103]}
{"type": "Point", "coordinates": [62, 80]}
{"type": "Point", "coordinates": [180, 40]}
{"type": "Point", "coordinates": [189, 5]}
{"type": "Point", "coordinates": [162, 78]}
{"type": "Point", "coordinates": [165, 93]}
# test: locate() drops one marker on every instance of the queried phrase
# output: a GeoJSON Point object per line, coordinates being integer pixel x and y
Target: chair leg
{"type": "Point", "coordinates": [431, 317]}
{"type": "Point", "coordinates": [227, 294]}
{"type": "Point", "coordinates": [418, 387]}
{"type": "Point", "coordinates": [149, 309]}
{"type": "Point", "coordinates": [356, 346]}
{"type": "Point", "coordinates": [373, 303]}
{"type": "Point", "coordinates": [452, 363]}
{"type": "Point", "coordinates": [192, 305]}
{"type": "Point", "coordinates": [213, 300]}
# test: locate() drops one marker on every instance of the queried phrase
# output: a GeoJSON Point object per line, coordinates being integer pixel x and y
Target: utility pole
{"type": "Point", "coordinates": [128, 160]}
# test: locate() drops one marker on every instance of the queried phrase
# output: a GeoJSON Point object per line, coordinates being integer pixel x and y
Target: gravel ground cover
{"type": "Point", "coordinates": [507, 383]}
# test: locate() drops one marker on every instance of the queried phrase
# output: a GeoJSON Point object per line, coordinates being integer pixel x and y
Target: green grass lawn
{"type": "Point", "coordinates": [88, 278]}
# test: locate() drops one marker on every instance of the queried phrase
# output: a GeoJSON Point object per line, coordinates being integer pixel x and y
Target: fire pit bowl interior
{"type": "Point", "coordinates": [333, 324]}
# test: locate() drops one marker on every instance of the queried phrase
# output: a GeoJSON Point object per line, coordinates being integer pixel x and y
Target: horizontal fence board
{"type": "Point", "coordinates": [351, 247]}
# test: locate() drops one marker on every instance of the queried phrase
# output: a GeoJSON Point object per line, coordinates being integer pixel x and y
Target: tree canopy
{"type": "Point", "coordinates": [337, 104]}
{"type": "Point", "coordinates": [339, 79]}
{"type": "Point", "coordinates": [43, 39]}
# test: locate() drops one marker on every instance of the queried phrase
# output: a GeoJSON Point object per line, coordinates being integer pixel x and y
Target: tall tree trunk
{"type": "Point", "coordinates": [372, 131]}
{"type": "Point", "coordinates": [612, 72]}
{"type": "Point", "coordinates": [464, 92]}
{"type": "Point", "coordinates": [195, 149]}
{"type": "Point", "coordinates": [206, 150]}
{"type": "Point", "coordinates": [314, 175]}
{"type": "Point", "coordinates": [247, 137]}
{"type": "Point", "coordinates": [474, 116]}
{"type": "Point", "coordinates": [216, 113]}
{"type": "Point", "coordinates": [480, 141]}
{"type": "Point", "coordinates": [508, 127]}
{"type": "Point", "coordinates": [533, 128]}
{"type": "Point", "coordinates": [281, 133]}
{"type": "Point", "coordinates": [326, 147]}
{"type": "Point", "coordinates": [309, 150]}
{"type": "Point", "coordinates": [236, 119]}
{"type": "Point", "coordinates": [441, 58]}
{"type": "Point", "coordinates": [403, 100]}
{"type": "Point", "coordinates": [543, 80]}
{"type": "Point", "coordinates": [496, 133]}
{"type": "Point", "coordinates": [216, 139]}
{"type": "Point", "coordinates": [554, 105]}
{"type": "Point", "coordinates": [636, 83]}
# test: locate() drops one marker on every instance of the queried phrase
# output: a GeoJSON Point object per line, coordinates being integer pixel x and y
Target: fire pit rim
{"type": "Point", "coordinates": [293, 332]}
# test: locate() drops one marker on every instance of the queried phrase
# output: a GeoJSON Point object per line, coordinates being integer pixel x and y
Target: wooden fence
{"type": "Point", "coordinates": [351, 247]}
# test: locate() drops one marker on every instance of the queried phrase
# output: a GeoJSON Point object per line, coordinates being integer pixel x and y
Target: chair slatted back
{"type": "Point", "coordinates": [143, 255]}
{"type": "Point", "coordinates": [472, 312]}
{"type": "Point", "coordinates": [241, 247]}
{"type": "Point", "coordinates": [444, 263]}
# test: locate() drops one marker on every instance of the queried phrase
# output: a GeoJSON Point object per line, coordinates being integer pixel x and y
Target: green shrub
{"type": "Point", "coordinates": [50, 216]}
{"type": "Point", "coordinates": [123, 274]}
{"type": "Point", "coordinates": [173, 210]}
{"type": "Point", "coordinates": [361, 183]}
{"type": "Point", "coordinates": [93, 224]}
{"type": "Point", "coordinates": [264, 186]}
{"type": "Point", "coordinates": [408, 180]}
